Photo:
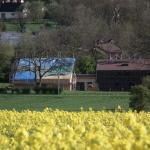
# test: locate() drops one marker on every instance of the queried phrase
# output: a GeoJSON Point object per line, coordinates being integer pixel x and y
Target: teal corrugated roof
{"type": "Point", "coordinates": [63, 66]}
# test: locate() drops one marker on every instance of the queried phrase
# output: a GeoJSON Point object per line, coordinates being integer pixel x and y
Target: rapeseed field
{"type": "Point", "coordinates": [84, 130]}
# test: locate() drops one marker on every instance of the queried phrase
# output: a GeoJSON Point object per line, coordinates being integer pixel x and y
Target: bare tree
{"type": "Point", "coordinates": [35, 10]}
{"type": "Point", "coordinates": [39, 54]}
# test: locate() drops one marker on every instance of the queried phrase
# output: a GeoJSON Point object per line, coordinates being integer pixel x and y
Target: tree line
{"type": "Point", "coordinates": [80, 23]}
{"type": "Point", "coordinates": [84, 21]}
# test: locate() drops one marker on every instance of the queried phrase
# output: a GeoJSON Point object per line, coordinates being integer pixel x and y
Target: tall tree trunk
{"type": "Point", "coordinates": [40, 81]}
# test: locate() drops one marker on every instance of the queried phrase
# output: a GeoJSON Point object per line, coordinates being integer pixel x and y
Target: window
{"type": "Point", "coordinates": [13, 14]}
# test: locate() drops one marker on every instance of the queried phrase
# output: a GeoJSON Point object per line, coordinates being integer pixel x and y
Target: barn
{"type": "Point", "coordinates": [121, 75]}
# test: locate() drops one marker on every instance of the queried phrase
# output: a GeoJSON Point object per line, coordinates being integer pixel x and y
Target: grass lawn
{"type": "Point", "coordinates": [11, 27]}
{"type": "Point", "coordinates": [30, 26]}
{"type": "Point", "coordinates": [69, 101]}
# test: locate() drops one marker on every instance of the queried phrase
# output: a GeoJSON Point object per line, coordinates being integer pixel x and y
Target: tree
{"type": "Point", "coordinates": [35, 10]}
{"type": "Point", "coordinates": [80, 37]}
{"type": "Point", "coordinates": [85, 65]}
{"type": "Point", "coordinates": [21, 19]}
{"type": "Point", "coordinates": [6, 55]}
{"type": "Point", "coordinates": [60, 12]}
{"type": "Point", "coordinates": [140, 96]}
{"type": "Point", "coordinates": [2, 26]}
{"type": "Point", "coordinates": [83, 22]}
{"type": "Point", "coordinates": [146, 82]}
{"type": "Point", "coordinates": [39, 53]}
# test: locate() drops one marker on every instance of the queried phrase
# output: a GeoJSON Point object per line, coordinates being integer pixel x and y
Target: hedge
{"type": "Point", "coordinates": [35, 90]}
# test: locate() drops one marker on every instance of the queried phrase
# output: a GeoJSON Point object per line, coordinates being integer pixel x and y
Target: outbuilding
{"type": "Point", "coordinates": [57, 72]}
{"type": "Point", "coordinates": [121, 75]}
{"type": "Point", "coordinates": [86, 82]}
{"type": "Point", "coordinates": [9, 9]}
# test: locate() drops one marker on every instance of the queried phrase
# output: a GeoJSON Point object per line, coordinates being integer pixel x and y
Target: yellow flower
{"type": "Point", "coordinates": [85, 130]}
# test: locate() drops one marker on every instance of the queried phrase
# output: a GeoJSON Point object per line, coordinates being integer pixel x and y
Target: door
{"type": "Point", "coordinates": [80, 86]}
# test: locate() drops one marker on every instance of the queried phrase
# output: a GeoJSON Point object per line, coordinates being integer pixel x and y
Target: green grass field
{"type": "Point", "coordinates": [68, 101]}
{"type": "Point", "coordinates": [30, 26]}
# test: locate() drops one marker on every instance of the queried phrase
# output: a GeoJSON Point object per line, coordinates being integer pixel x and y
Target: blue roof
{"type": "Point", "coordinates": [63, 66]}
{"type": "Point", "coordinates": [25, 75]}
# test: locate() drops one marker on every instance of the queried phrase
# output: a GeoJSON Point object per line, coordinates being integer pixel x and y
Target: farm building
{"type": "Point", "coordinates": [108, 48]}
{"type": "Point", "coordinates": [9, 9]}
{"type": "Point", "coordinates": [53, 71]}
{"type": "Point", "coordinates": [117, 75]}
{"type": "Point", "coordinates": [86, 82]}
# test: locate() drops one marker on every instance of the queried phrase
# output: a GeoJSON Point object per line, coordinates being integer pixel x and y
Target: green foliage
{"type": "Point", "coordinates": [6, 54]}
{"type": "Point", "coordinates": [2, 26]}
{"type": "Point", "coordinates": [85, 65]}
{"type": "Point", "coordinates": [140, 98]}
{"type": "Point", "coordinates": [146, 82]}
{"type": "Point", "coordinates": [36, 10]}
{"type": "Point", "coordinates": [4, 85]}
{"type": "Point", "coordinates": [60, 12]}
{"type": "Point", "coordinates": [46, 90]}
{"type": "Point", "coordinates": [37, 90]}
{"type": "Point", "coordinates": [85, 21]}
{"type": "Point", "coordinates": [30, 26]}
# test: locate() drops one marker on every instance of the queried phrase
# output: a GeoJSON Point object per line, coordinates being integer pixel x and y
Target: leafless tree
{"type": "Point", "coordinates": [39, 53]}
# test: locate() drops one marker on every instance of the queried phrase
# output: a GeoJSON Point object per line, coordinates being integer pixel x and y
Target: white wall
{"type": "Point", "coordinates": [9, 15]}
{"type": "Point", "coordinates": [14, 1]}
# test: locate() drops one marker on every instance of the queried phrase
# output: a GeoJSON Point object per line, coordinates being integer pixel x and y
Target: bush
{"type": "Point", "coordinates": [2, 26]}
{"type": "Point", "coordinates": [146, 82]}
{"type": "Point", "coordinates": [46, 90]}
{"type": "Point", "coordinates": [3, 90]}
{"type": "Point", "coordinates": [48, 24]}
{"type": "Point", "coordinates": [17, 91]}
{"type": "Point", "coordinates": [36, 90]}
{"type": "Point", "coordinates": [26, 91]}
{"type": "Point", "coordinates": [140, 98]}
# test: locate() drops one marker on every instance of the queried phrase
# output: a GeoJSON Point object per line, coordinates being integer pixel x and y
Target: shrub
{"type": "Point", "coordinates": [140, 98]}
{"type": "Point", "coordinates": [26, 91]}
{"type": "Point", "coordinates": [2, 26]}
{"type": "Point", "coordinates": [3, 90]}
{"type": "Point", "coordinates": [48, 24]}
{"type": "Point", "coordinates": [37, 90]}
{"type": "Point", "coordinates": [146, 82]}
{"type": "Point", "coordinates": [17, 91]}
{"type": "Point", "coordinates": [44, 90]}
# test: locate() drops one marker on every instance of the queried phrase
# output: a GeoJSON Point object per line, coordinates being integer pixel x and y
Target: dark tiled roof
{"type": "Point", "coordinates": [123, 65]}
{"type": "Point", "coordinates": [9, 7]}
